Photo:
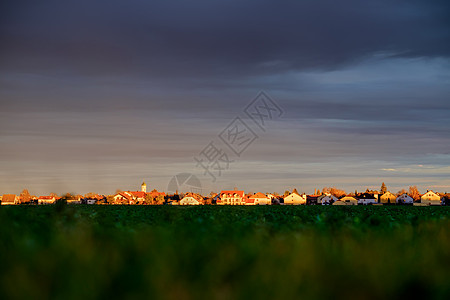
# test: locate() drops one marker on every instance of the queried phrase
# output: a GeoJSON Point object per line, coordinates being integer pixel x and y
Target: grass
{"type": "Point", "coordinates": [222, 252]}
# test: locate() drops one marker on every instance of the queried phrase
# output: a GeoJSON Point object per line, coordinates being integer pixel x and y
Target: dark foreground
{"type": "Point", "coordinates": [162, 252]}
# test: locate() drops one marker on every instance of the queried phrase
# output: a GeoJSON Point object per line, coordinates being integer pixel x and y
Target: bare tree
{"type": "Point", "coordinates": [383, 188]}
{"type": "Point", "coordinates": [414, 192]}
{"type": "Point", "coordinates": [401, 192]}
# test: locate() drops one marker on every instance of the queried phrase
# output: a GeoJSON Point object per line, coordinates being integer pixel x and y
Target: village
{"type": "Point", "coordinates": [327, 196]}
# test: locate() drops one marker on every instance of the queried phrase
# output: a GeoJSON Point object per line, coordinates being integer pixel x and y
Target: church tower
{"type": "Point", "coordinates": [144, 187]}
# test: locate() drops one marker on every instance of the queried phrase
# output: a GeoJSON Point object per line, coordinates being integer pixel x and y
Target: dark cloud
{"type": "Point", "coordinates": [223, 38]}
{"type": "Point", "coordinates": [106, 89]}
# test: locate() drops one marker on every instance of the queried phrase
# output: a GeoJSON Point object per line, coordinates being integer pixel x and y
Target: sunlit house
{"type": "Point", "coordinates": [387, 198]}
{"type": "Point", "coordinates": [231, 198]}
{"type": "Point", "coordinates": [430, 198]}
{"type": "Point", "coordinates": [348, 200]}
{"type": "Point", "coordinates": [295, 199]}
{"type": "Point", "coordinates": [9, 199]}
{"type": "Point", "coordinates": [46, 199]}
{"type": "Point", "coordinates": [260, 199]}
{"type": "Point", "coordinates": [124, 198]}
{"type": "Point", "coordinates": [190, 200]}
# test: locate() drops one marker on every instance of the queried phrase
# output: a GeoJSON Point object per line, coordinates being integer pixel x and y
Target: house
{"type": "Point", "coordinates": [260, 199]}
{"type": "Point", "coordinates": [430, 198]}
{"type": "Point", "coordinates": [404, 199]}
{"type": "Point", "coordinates": [445, 200]}
{"type": "Point", "coordinates": [312, 199]}
{"type": "Point", "coordinates": [295, 199]}
{"type": "Point", "coordinates": [46, 199]}
{"type": "Point", "coordinates": [348, 200]}
{"type": "Point", "coordinates": [190, 200]}
{"type": "Point", "coordinates": [387, 198]}
{"type": "Point", "coordinates": [232, 198]}
{"type": "Point", "coordinates": [367, 198]}
{"type": "Point", "coordinates": [9, 199]}
{"type": "Point", "coordinates": [249, 201]}
{"type": "Point", "coordinates": [123, 198]}
{"type": "Point", "coordinates": [327, 199]}
{"type": "Point", "coordinates": [138, 196]}
{"type": "Point", "coordinates": [73, 200]}
{"type": "Point", "coordinates": [339, 202]}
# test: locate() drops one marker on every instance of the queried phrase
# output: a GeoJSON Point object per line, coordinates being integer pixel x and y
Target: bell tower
{"type": "Point", "coordinates": [143, 187]}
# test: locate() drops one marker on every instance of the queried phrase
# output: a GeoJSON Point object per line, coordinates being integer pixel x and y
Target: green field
{"type": "Point", "coordinates": [223, 252]}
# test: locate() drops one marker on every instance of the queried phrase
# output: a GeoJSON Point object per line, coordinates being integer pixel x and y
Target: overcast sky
{"type": "Point", "coordinates": [98, 95]}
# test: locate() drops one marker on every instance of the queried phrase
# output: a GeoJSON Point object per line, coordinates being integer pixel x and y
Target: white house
{"type": "Point", "coordinates": [328, 199]}
{"type": "Point", "coordinates": [295, 199]}
{"type": "Point", "coordinates": [189, 200]}
{"type": "Point", "coordinates": [430, 198]}
{"type": "Point", "coordinates": [260, 199]}
{"type": "Point", "coordinates": [404, 199]}
{"type": "Point", "coordinates": [46, 200]}
{"type": "Point", "coordinates": [367, 198]}
{"type": "Point", "coordinates": [232, 198]}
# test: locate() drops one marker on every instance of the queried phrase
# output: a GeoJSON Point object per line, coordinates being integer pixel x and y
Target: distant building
{"type": "Point", "coordinates": [232, 198]}
{"type": "Point", "coordinates": [143, 187]}
{"type": "Point", "coordinates": [430, 198]}
{"type": "Point", "coordinates": [348, 200]}
{"type": "Point", "coordinates": [367, 198]}
{"type": "Point", "coordinates": [328, 199]}
{"type": "Point", "coordinates": [312, 199]}
{"type": "Point", "coordinates": [9, 199]}
{"type": "Point", "coordinates": [387, 198]}
{"type": "Point", "coordinates": [123, 198]}
{"type": "Point", "coordinates": [404, 199]}
{"type": "Point", "coordinates": [295, 199]}
{"type": "Point", "coordinates": [260, 199]}
{"type": "Point", "coordinates": [191, 200]}
{"type": "Point", "coordinates": [46, 199]}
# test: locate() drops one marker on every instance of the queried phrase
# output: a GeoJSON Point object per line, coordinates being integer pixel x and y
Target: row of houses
{"type": "Point", "coordinates": [236, 197]}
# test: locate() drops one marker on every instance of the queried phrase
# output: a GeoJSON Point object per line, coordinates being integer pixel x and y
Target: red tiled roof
{"type": "Point", "coordinates": [8, 198]}
{"type": "Point", "coordinates": [46, 197]}
{"type": "Point", "coordinates": [258, 195]}
{"type": "Point", "coordinates": [125, 195]}
{"type": "Point", "coordinates": [138, 194]}
{"type": "Point", "coordinates": [240, 193]}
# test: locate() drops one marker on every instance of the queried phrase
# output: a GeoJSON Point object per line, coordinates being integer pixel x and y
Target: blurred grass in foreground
{"type": "Point", "coordinates": [210, 252]}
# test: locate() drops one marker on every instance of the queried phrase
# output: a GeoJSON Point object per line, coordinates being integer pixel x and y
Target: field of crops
{"type": "Point", "coordinates": [223, 252]}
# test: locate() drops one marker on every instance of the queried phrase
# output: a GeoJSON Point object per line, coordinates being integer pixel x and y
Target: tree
{"type": "Point", "coordinates": [383, 188]}
{"type": "Point", "coordinates": [401, 192]}
{"type": "Point", "coordinates": [91, 195]}
{"type": "Point", "coordinates": [159, 199]}
{"type": "Point", "coordinates": [286, 193]}
{"type": "Point", "coordinates": [110, 199]}
{"type": "Point", "coordinates": [25, 196]}
{"type": "Point", "coordinates": [148, 199]}
{"type": "Point", "coordinates": [414, 193]}
{"type": "Point", "coordinates": [333, 191]}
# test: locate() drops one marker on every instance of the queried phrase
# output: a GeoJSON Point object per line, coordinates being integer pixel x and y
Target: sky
{"type": "Point", "coordinates": [97, 96]}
